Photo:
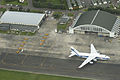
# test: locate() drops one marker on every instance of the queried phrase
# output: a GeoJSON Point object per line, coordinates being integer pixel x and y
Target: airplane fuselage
{"type": "Point", "coordinates": [86, 55]}
{"type": "Point", "coordinates": [99, 56]}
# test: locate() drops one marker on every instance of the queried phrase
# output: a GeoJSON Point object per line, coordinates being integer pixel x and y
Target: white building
{"type": "Point", "coordinates": [21, 21]}
{"type": "Point", "coordinates": [98, 22]}
{"type": "Point", "coordinates": [21, 1]}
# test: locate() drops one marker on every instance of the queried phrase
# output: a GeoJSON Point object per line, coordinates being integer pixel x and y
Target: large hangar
{"type": "Point", "coordinates": [98, 22]}
{"type": "Point", "coordinates": [21, 21]}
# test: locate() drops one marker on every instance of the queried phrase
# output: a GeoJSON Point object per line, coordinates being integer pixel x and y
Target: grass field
{"type": "Point", "coordinates": [61, 26]}
{"type": "Point", "coordinates": [14, 75]}
{"type": "Point", "coordinates": [50, 1]}
{"type": "Point", "coordinates": [2, 9]}
{"type": "Point", "coordinates": [54, 1]}
{"type": "Point", "coordinates": [17, 32]}
{"type": "Point", "coordinates": [54, 4]}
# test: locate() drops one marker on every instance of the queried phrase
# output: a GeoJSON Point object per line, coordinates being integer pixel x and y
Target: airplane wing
{"type": "Point", "coordinates": [91, 57]}
{"type": "Point", "coordinates": [93, 50]}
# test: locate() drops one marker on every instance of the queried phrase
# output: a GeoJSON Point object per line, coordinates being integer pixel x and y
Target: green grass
{"type": "Point", "coordinates": [61, 26]}
{"type": "Point", "coordinates": [3, 9]}
{"type": "Point", "coordinates": [70, 14]}
{"type": "Point", "coordinates": [50, 1]}
{"type": "Point", "coordinates": [27, 33]}
{"type": "Point", "coordinates": [3, 2]}
{"type": "Point", "coordinates": [18, 33]}
{"type": "Point", "coordinates": [85, 9]}
{"type": "Point", "coordinates": [14, 75]}
{"type": "Point", "coordinates": [4, 32]}
{"type": "Point", "coordinates": [57, 15]}
{"type": "Point", "coordinates": [23, 33]}
{"type": "Point", "coordinates": [54, 4]}
{"type": "Point", "coordinates": [36, 11]}
{"type": "Point", "coordinates": [54, 1]}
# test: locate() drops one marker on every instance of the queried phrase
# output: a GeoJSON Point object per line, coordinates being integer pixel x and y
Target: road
{"type": "Point", "coordinates": [31, 7]}
{"type": "Point", "coordinates": [66, 67]}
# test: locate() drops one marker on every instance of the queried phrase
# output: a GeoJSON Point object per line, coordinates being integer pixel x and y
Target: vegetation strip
{"type": "Point", "coordinates": [10, 75]}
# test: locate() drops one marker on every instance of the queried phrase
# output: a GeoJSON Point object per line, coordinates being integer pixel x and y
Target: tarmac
{"type": "Point", "coordinates": [66, 67]}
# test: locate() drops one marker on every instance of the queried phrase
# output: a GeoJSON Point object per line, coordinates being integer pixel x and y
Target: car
{"type": "Point", "coordinates": [17, 52]}
{"type": "Point", "coordinates": [11, 4]}
{"type": "Point", "coordinates": [8, 4]}
{"type": "Point", "coordinates": [16, 5]}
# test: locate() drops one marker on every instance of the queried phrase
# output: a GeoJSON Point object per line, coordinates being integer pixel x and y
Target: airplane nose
{"type": "Point", "coordinates": [108, 57]}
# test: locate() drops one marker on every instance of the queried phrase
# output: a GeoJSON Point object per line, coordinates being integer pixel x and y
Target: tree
{"type": "Point", "coordinates": [10, 0]}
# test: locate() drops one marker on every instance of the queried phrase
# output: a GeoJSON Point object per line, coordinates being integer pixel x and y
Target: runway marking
{"type": "Point", "coordinates": [38, 67]}
{"type": "Point", "coordinates": [10, 64]}
{"type": "Point", "coordinates": [2, 61]}
{"type": "Point", "coordinates": [51, 68]}
{"type": "Point", "coordinates": [22, 62]}
{"type": "Point", "coordinates": [42, 63]}
{"type": "Point", "coordinates": [92, 41]}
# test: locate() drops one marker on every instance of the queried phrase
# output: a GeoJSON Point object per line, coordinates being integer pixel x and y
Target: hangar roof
{"type": "Point", "coordinates": [23, 18]}
{"type": "Point", "coordinates": [97, 17]}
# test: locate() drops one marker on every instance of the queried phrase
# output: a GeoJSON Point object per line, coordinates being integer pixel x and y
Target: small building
{"type": "Point", "coordinates": [21, 1]}
{"type": "Point", "coordinates": [73, 2]}
{"type": "Point", "coordinates": [79, 3]}
{"type": "Point", "coordinates": [64, 19]}
{"type": "Point", "coordinates": [21, 21]}
{"type": "Point", "coordinates": [99, 22]}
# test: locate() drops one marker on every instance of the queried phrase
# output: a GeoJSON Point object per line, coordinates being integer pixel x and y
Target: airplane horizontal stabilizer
{"type": "Point", "coordinates": [73, 52]}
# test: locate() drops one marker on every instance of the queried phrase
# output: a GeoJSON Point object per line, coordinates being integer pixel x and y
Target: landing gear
{"type": "Point", "coordinates": [91, 62]}
{"type": "Point", "coordinates": [95, 60]}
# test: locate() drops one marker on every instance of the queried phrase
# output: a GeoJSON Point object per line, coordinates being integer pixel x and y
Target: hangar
{"type": "Point", "coordinates": [21, 21]}
{"type": "Point", "coordinates": [98, 22]}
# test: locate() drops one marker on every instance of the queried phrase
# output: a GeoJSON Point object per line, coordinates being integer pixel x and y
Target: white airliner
{"type": "Point", "coordinates": [94, 55]}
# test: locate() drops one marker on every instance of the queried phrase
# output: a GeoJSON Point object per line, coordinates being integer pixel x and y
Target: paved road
{"type": "Point", "coordinates": [30, 4]}
{"type": "Point", "coordinates": [66, 67]}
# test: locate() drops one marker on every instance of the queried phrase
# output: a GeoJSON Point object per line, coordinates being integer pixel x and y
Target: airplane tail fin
{"type": "Point", "coordinates": [73, 52]}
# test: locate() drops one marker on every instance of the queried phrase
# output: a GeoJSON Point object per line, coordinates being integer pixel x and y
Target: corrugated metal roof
{"type": "Point", "coordinates": [103, 19]}
{"type": "Point", "coordinates": [85, 18]}
{"type": "Point", "coordinates": [23, 18]}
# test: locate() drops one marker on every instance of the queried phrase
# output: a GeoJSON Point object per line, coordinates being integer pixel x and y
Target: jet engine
{"type": "Point", "coordinates": [91, 62]}
{"type": "Point", "coordinates": [95, 60]}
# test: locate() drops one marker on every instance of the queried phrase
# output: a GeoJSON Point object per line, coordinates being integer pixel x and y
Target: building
{"type": "Point", "coordinates": [98, 22]}
{"type": "Point", "coordinates": [73, 2]}
{"type": "Point", "coordinates": [64, 19]}
{"type": "Point", "coordinates": [21, 21]}
{"type": "Point", "coordinates": [21, 1]}
{"type": "Point", "coordinates": [79, 3]}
